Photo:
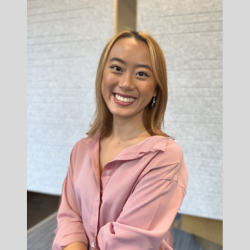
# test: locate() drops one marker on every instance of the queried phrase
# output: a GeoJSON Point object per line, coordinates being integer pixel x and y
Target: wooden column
{"type": "Point", "coordinates": [125, 15]}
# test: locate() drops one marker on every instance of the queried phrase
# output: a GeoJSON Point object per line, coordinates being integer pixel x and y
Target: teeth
{"type": "Point", "coordinates": [123, 99]}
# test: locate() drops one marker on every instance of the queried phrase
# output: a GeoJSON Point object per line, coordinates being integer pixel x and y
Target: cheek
{"type": "Point", "coordinates": [148, 91]}
{"type": "Point", "coordinates": [108, 80]}
{"type": "Point", "coordinates": [108, 83]}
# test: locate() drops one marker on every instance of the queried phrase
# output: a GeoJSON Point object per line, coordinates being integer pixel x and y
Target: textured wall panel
{"type": "Point", "coordinates": [190, 34]}
{"type": "Point", "coordinates": [65, 41]}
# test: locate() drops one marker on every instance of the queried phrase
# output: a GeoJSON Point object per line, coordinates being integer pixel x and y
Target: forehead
{"type": "Point", "coordinates": [130, 49]}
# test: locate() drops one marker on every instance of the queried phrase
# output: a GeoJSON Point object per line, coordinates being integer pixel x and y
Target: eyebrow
{"type": "Point", "coordinates": [143, 66]}
{"type": "Point", "coordinates": [123, 62]}
{"type": "Point", "coordinates": [117, 59]}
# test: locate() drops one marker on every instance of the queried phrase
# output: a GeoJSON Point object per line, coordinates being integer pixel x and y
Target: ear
{"type": "Point", "coordinates": [156, 90]}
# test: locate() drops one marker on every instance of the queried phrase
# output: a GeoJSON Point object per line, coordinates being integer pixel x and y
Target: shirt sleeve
{"type": "Point", "coordinates": [69, 222]}
{"type": "Point", "coordinates": [149, 211]}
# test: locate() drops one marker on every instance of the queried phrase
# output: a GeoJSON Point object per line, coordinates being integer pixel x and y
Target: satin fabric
{"type": "Point", "coordinates": [131, 205]}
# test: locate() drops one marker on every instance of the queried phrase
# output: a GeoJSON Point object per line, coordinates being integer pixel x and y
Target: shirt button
{"type": "Point", "coordinates": [97, 198]}
{"type": "Point", "coordinates": [107, 172]}
{"type": "Point", "coordinates": [93, 246]}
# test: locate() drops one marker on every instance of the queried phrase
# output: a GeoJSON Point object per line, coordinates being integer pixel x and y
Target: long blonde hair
{"type": "Point", "coordinates": [153, 118]}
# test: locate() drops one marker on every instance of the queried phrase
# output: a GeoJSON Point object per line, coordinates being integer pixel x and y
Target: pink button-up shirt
{"type": "Point", "coordinates": [131, 205]}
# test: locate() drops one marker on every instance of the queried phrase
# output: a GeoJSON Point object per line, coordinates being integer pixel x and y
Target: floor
{"type": "Point", "coordinates": [40, 206]}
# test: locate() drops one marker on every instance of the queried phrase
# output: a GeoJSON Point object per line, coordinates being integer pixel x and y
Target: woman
{"type": "Point", "coordinates": [127, 179]}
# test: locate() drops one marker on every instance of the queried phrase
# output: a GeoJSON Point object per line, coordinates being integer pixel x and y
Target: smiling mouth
{"type": "Point", "coordinates": [123, 100]}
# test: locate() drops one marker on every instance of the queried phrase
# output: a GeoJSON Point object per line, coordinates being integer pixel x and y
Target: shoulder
{"type": "Point", "coordinates": [173, 154]}
{"type": "Point", "coordinates": [173, 149]}
{"type": "Point", "coordinates": [170, 153]}
{"type": "Point", "coordinates": [79, 152]}
{"type": "Point", "coordinates": [84, 142]}
{"type": "Point", "coordinates": [167, 163]}
{"type": "Point", "coordinates": [81, 143]}
{"type": "Point", "coordinates": [80, 147]}
{"type": "Point", "coordinates": [169, 160]}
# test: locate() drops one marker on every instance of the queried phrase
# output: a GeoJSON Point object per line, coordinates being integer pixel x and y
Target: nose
{"type": "Point", "coordinates": [126, 82]}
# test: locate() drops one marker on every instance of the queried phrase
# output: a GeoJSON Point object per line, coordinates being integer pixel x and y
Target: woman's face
{"type": "Point", "coordinates": [128, 83]}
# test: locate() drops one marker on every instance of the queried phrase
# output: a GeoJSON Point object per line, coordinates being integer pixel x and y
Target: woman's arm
{"type": "Point", "coordinates": [150, 210]}
{"type": "Point", "coordinates": [145, 219]}
{"type": "Point", "coordinates": [76, 246]}
{"type": "Point", "coordinates": [69, 221]}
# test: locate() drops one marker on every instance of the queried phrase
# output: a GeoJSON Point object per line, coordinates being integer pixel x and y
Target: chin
{"type": "Point", "coordinates": [120, 113]}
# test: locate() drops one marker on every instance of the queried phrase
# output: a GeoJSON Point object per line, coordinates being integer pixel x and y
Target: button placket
{"type": "Point", "coordinates": [95, 222]}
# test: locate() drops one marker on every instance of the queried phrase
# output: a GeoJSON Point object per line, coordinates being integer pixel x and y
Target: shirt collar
{"type": "Point", "coordinates": [151, 144]}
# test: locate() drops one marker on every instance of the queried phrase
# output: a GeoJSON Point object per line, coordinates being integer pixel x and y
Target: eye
{"type": "Point", "coordinates": [141, 74]}
{"type": "Point", "coordinates": [116, 68]}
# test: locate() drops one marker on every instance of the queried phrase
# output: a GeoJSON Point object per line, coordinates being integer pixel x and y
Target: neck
{"type": "Point", "coordinates": [125, 129]}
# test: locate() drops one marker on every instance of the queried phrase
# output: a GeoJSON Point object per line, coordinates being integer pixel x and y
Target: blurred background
{"type": "Point", "coordinates": [64, 44]}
